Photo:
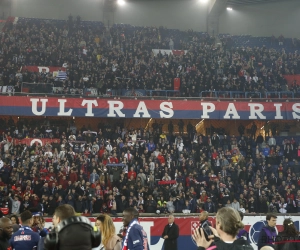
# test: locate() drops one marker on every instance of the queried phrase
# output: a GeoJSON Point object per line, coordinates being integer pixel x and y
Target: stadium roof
{"type": "Point", "coordinates": [249, 2]}
{"type": "Point", "coordinates": [232, 2]}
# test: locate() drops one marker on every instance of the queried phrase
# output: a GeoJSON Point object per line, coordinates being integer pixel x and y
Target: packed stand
{"type": "Point", "coordinates": [121, 57]}
{"type": "Point", "coordinates": [155, 171]}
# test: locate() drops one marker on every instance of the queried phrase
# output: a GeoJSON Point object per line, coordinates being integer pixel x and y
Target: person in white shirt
{"type": "Point", "coordinates": [156, 152]}
{"type": "Point", "coordinates": [235, 204]}
{"type": "Point", "coordinates": [128, 155]}
{"type": "Point", "coordinates": [166, 177]}
{"type": "Point", "coordinates": [108, 147]}
{"type": "Point", "coordinates": [171, 44]}
{"type": "Point", "coordinates": [1, 163]}
{"type": "Point", "coordinates": [15, 204]}
{"type": "Point", "coordinates": [255, 78]}
{"type": "Point", "coordinates": [48, 153]}
{"type": "Point", "coordinates": [272, 141]}
{"type": "Point", "coordinates": [180, 146]}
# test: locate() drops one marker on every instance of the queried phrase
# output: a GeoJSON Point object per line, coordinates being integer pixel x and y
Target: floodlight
{"type": "Point", "coordinates": [121, 2]}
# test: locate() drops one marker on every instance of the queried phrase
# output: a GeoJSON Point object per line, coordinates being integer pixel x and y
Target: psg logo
{"type": "Point", "coordinates": [194, 226]}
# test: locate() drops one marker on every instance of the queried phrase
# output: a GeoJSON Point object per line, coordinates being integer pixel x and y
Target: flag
{"type": "Point", "coordinates": [61, 75]}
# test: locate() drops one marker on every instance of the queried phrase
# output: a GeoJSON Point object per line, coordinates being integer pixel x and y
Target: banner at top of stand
{"type": "Point", "coordinates": [171, 109]}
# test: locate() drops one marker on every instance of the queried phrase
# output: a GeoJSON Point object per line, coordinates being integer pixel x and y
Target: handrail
{"type": "Point", "coordinates": [145, 215]}
{"type": "Point", "coordinates": [162, 91]}
{"type": "Point", "coordinates": [217, 96]}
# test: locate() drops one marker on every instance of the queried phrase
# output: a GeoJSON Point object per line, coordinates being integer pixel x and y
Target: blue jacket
{"type": "Point", "coordinates": [137, 238]}
{"type": "Point", "coordinates": [24, 239]}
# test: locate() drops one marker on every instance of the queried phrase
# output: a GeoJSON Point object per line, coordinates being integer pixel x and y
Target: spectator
{"type": "Point", "coordinates": [235, 204]}
{"type": "Point", "coordinates": [170, 206]}
{"type": "Point", "coordinates": [16, 204]}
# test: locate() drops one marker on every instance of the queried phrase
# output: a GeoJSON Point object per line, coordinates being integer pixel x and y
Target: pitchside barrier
{"type": "Point", "coordinates": [188, 222]}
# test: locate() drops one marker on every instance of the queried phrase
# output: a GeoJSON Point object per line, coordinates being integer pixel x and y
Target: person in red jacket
{"type": "Point", "coordinates": [114, 159]}
{"type": "Point", "coordinates": [161, 158]}
{"type": "Point", "coordinates": [73, 176]}
{"type": "Point", "coordinates": [131, 173]}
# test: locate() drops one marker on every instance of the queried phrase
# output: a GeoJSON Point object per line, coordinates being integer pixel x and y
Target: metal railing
{"type": "Point", "coordinates": [240, 94]}
{"type": "Point", "coordinates": [271, 96]}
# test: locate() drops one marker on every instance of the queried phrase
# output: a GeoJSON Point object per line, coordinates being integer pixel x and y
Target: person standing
{"type": "Point", "coordinates": [79, 233]}
{"type": "Point", "coordinates": [136, 237]}
{"type": "Point", "coordinates": [290, 235]}
{"type": "Point", "coordinates": [268, 233]}
{"type": "Point", "coordinates": [170, 234]}
{"type": "Point", "coordinates": [5, 233]}
{"type": "Point", "coordinates": [110, 240]}
{"type": "Point", "coordinates": [15, 204]}
{"type": "Point", "coordinates": [203, 217]}
{"type": "Point", "coordinates": [228, 224]}
{"type": "Point", "coordinates": [25, 238]}
{"type": "Point", "coordinates": [243, 233]}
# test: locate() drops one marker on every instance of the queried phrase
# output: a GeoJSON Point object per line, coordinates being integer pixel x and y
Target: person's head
{"type": "Point", "coordinates": [129, 214]}
{"type": "Point", "coordinates": [106, 227]}
{"type": "Point", "coordinates": [61, 213]}
{"type": "Point", "coordinates": [14, 219]}
{"type": "Point", "coordinates": [171, 219]}
{"type": "Point", "coordinates": [271, 220]}
{"type": "Point", "coordinates": [289, 228]}
{"type": "Point", "coordinates": [267, 248]}
{"type": "Point", "coordinates": [26, 218]}
{"type": "Point", "coordinates": [228, 222]}
{"type": "Point", "coordinates": [203, 216]}
{"type": "Point", "coordinates": [6, 228]}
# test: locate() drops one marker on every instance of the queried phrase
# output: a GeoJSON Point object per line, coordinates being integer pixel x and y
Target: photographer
{"type": "Point", "coordinates": [76, 237]}
{"type": "Point", "coordinates": [228, 224]}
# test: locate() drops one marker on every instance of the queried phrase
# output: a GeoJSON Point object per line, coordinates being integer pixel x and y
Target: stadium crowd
{"type": "Point", "coordinates": [121, 58]}
{"type": "Point", "coordinates": [108, 170]}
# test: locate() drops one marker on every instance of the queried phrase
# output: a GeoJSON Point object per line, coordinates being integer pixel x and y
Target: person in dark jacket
{"type": "Point", "coordinates": [268, 233]}
{"type": "Point", "coordinates": [79, 205]}
{"type": "Point", "coordinates": [52, 205]}
{"type": "Point", "coordinates": [203, 217]}
{"type": "Point", "coordinates": [243, 233]}
{"type": "Point", "coordinates": [228, 224]}
{"type": "Point", "coordinates": [170, 234]}
{"type": "Point", "coordinates": [209, 206]}
{"type": "Point", "coordinates": [76, 237]}
{"type": "Point", "coordinates": [6, 232]}
{"type": "Point", "coordinates": [289, 233]}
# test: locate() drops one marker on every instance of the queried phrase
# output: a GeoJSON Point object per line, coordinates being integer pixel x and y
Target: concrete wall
{"type": "Point", "coordinates": [263, 19]}
{"type": "Point", "coordinates": [259, 20]}
{"type": "Point", "coordinates": [190, 14]}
